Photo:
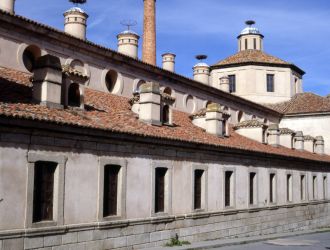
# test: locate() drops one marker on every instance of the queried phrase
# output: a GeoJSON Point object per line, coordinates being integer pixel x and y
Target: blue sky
{"type": "Point", "coordinates": [297, 31]}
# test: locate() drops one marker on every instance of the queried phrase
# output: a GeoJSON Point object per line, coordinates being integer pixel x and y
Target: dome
{"type": "Point", "coordinates": [250, 30]}
{"type": "Point", "coordinates": [128, 32]}
{"type": "Point", "coordinates": [201, 64]}
{"type": "Point", "coordinates": [76, 9]}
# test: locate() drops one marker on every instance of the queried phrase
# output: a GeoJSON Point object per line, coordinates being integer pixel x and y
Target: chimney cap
{"type": "Point", "coordinates": [48, 61]}
{"type": "Point", "coordinates": [75, 10]}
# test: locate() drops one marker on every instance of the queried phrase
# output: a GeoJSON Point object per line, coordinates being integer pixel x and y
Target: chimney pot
{"type": "Point", "coordinates": [319, 145]}
{"type": "Point", "coordinates": [224, 84]}
{"type": "Point", "coordinates": [169, 61]}
{"type": "Point", "coordinates": [8, 5]}
{"type": "Point", "coordinates": [128, 43]}
{"type": "Point", "coordinates": [75, 22]}
{"type": "Point", "coordinates": [273, 135]}
{"type": "Point", "coordinates": [299, 141]}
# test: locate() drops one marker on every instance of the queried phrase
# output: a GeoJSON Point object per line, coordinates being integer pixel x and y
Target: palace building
{"type": "Point", "coordinates": [100, 149]}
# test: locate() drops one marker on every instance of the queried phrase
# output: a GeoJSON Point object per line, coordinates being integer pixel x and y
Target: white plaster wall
{"type": "Point", "coordinates": [315, 125]}
{"type": "Point", "coordinates": [251, 82]}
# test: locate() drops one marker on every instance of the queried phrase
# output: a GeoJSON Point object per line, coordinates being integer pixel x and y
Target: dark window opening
{"type": "Point", "coordinates": [288, 187]}
{"type": "Point", "coordinates": [325, 187]}
{"type": "Point", "coordinates": [166, 114]}
{"type": "Point", "coordinates": [232, 83]}
{"type": "Point", "coordinates": [271, 188]}
{"type": "Point", "coordinates": [198, 189]}
{"type": "Point", "coordinates": [246, 44]}
{"type": "Point", "coordinates": [228, 176]}
{"type": "Point", "coordinates": [302, 187]}
{"type": "Point", "coordinates": [254, 43]}
{"type": "Point", "coordinates": [160, 190]}
{"type": "Point", "coordinates": [252, 187]}
{"type": "Point", "coordinates": [270, 83]}
{"type": "Point", "coordinates": [43, 193]}
{"type": "Point", "coordinates": [110, 196]}
{"type": "Point", "coordinates": [111, 80]}
{"type": "Point", "coordinates": [74, 95]}
{"type": "Point", "coordinates": [314, 187]}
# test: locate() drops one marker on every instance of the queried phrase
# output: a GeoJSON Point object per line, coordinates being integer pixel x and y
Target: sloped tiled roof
{"type": "Point", "coordinates": [249, 124]}
{"type": "Point", "coordinates": [303, 103]}
{"type": "Point", "coordinates": [113, 113]}
{"type": "Point", "coordinates": [254, 56]}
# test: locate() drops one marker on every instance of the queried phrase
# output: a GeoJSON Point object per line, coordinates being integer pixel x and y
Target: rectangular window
{"type": "Point", "coordinates": [270, 83]}
{"type": "Point", "coordinates": [289, 187]}
{"type": "Point", "coordinates": [43, 193]}
{"type": "Point", "coordinates": [232, 83]}
{"type": "Point", "coordinates": [252, 188]}
{"type": "Point", "coordinates": [160, 175]}
{"type": "Point", "coordinates": [198, 189]}
{"type": "Point", "coordinates": [110, 194]}
{"type": "Point", "coordinates": [246, 44]}
{"type": "Point", "coordinates": [302, 187]}
{"type": "Point", "coordinates": [228, 188]}
{"type": "Point", "coordinates": [254, 43]}
{"type": "Point", "coordinates": [272, 188]}
{"type": "Point", "coordinates": [325, 187]}
{"type": "Point", "coordinates": [314, 187]}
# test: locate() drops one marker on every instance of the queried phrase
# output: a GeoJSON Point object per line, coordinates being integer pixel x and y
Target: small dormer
{"type": "Point", "coordinates": [252, 129]}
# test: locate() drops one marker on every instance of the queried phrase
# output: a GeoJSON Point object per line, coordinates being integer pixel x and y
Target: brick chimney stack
{"type": "Point", "coordinates": [149, 32]}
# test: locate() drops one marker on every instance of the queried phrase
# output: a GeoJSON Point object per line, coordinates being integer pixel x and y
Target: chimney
{"type": "Point", "coordinates": [299, 141]}
{"type": "Point", "coordinates": [309, 143]}
{"type": "Point", "coordinates": [286, 137]}
{"type": "Point", "coordinates": [169, 61]}
{"type": "Point", "coordinates": [319, 145]}
{"type": "Point", "coordinates": [149, 32]}
{"type": "Point", "coordinates": [47, 81]}
{"type": "Point", "coordinates": [273, 135]}
{"type": "Point", "coordinates": [224, 84]}
{"type": "Point", "coordinates": [8, 5]}
{"type": "Point", "coordinates": [216, 121]}
{"type": "Point", "coordinates": [75, 22]}
{"type": "Point", "coordinates": [202, 73]}
{"type": "Point", "coordinates": [128, 43]}
{"type": "Point", "coordinates": [150, 99]}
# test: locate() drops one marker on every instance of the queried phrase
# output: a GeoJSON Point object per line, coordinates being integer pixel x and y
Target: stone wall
{"type": "Point", "coordinates": [82, 153]}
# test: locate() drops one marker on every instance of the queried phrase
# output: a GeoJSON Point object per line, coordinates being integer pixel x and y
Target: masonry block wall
{"type": "Point", "coordinates": [79, 220]}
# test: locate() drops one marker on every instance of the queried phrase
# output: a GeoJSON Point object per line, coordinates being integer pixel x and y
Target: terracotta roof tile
{"type": "Point", "coordinates": [113, 113]}
{"type": "Point", "coordinates": [303, 103]}
{"type": "Point", "coordinates": [249, 124]}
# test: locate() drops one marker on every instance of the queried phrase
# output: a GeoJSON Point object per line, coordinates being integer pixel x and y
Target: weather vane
{"type": "Point", "coordinates": [201, 57]}
{"type": "Point", "coordinates": [128, 23]}
{"type": "Point", "coordinates": [76, 2]}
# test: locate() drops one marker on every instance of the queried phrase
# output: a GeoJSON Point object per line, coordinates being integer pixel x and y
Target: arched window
{"type": "Point", "coordinates": [74, 95]}
{"type": "Point", "coordinates": [110, 80]}
{"type": "Point", "coordinates": [168, 91]}
{"type": "Point", "coordinates": [240, 116]}
{"type": "Point", "coordinates": [166, 114]}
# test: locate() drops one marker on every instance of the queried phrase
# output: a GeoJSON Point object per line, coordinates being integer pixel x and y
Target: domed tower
{"type": "Point", "coordinates": [76, 22]}
{"type": "Point", "coordinates": [202, 70]}
{"type": "Point", "coordinates": [250, 38]}
{"type": "Point", "coordinates": [128, 43]}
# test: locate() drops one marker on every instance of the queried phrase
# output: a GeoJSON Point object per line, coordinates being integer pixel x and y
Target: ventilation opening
{"type": "Point", "coordinates": [240, 116]}
{"type": "Point", "coordinates": [30, 56]}
{"type": "Point", "coordinates": [74, 95]}
{"type": "Point", "coordinates": [111, 80]}
{"type": "Point", "coordinates": [168, 91]}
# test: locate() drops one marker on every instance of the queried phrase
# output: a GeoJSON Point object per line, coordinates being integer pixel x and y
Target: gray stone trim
{"type": "Point", "coordinates": [121, 195]}
{"type": "Point", "coordinates": [168, 188]}
{"type": "Point", "coordinates": [58, 202]}
{"type": "Point", "coordinates": [305, 174]}
{"type": "Point", "coordinates": [273, 171]}
{"type": "Point", "coordinates": [204, 198]}
{"type": "Point", "coordinates": [256, 193]}
{"type": "Point", "coordinates": [233, 191]}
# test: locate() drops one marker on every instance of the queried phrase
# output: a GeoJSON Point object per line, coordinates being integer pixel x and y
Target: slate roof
{"type": "Point", "coordinates": [113, 113]}
{"type": "Point", "coordinates": [303, 103]}
{"type": "Point", "coordinates": [250, 56]}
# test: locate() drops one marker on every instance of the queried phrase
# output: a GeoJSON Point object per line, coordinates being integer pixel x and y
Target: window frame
{"type": "Point", "coordinates": [274, 188]}
{"type": "Point", "coordinates": [204, 188]}
{"type": "Point", "coordinates": [232, 84]}
{"type": "Point", "coordinates": [314, 187]}
{"type": "Point", "coordinates": [325, 186]}
{"type": "Point", "coordinates": [289, 188]}
{"type": "Point", "coordinates": [58, 192]}
{"type": "Point", "coordinates": [303, 196]}
{"type": "Point", "coordinates": [121, 191]}
{"type": "Point", "coordinates": [272, 88]}
{"type": "Point", "coordinates": [232, 191]}
{"type": "Point", "coordinates": [254, 188]}
{"type": "Point", "coordinates": [167, 189]}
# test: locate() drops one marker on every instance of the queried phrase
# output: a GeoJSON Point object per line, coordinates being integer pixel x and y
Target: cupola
{"type": "Point", "coordinates": [202, 70]}
{"type": "Point", "coordinates": [75, 22]}
{"type": "Point", "coordinates": [250, 38]}
{"type": "Point", "coordinates": [128, 43]}
{"type": "Point", "coordinates": [169, 61]}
